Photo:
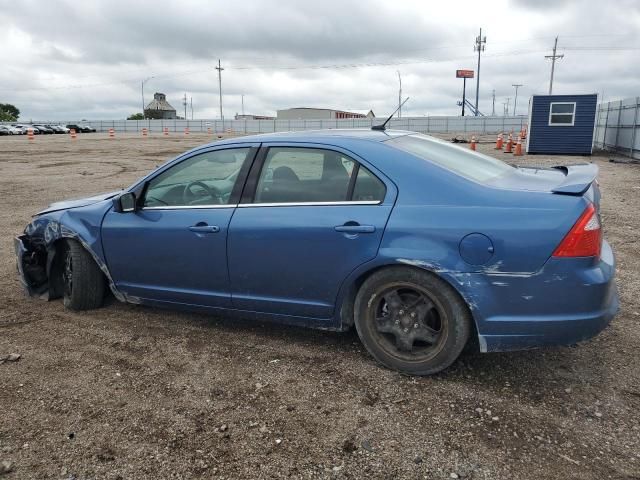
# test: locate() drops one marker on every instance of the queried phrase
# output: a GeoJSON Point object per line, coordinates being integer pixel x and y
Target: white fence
{"type": "Point", "coordinates": [452, 124]}
{"type": "Point", "coordinates": [617, 127]}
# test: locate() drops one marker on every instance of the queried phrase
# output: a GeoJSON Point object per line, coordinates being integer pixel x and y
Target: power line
{"type": "Point", "coordinates": [577, 50]}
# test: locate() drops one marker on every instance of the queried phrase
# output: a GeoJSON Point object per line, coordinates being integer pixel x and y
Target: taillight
{"type": "Point", "coordinates": [585, 237]}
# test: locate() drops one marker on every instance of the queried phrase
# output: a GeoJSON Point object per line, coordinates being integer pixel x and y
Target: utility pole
{"type": "Point", "coordinates": [220, 69]}
{"type": "Point", "coordinates": [508, 103]}
{"type": "Point", "coordinates": [479, 47]}
{"type": "Point", "coordinates": [553, 58]}
{"type": "Point", "coordinates": [515, 102]}
{"type": "Point", "coordinates": [243, 104]}
{"type": "Point", "coordinates": [399, 95]}
{"type": "Point", "coordinates": [493, 103]}
{"type": "Point", "coordinates": [184, 104]}
{"type": "Point", "coordinates": [191, 102]}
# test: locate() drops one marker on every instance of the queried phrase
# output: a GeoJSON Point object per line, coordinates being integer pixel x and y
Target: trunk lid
{"type": "Point", "coordinates": [576, 180]}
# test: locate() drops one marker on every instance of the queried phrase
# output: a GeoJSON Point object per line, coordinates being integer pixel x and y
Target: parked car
{"type": "Point", "coordinates": [44, 129]}
{"type": "Point", "coordinates": [418, 243]}
{"type": "Point", "coordinates": [4, 130]}
{"type": "Point", "coordinates": [25, 128]}
{"type": "Point", "coordinates": [81, 128]}
{"type": "Point", "coordinates": [58, 129]}
{"type": "Point", "coordinates": [13, 130]}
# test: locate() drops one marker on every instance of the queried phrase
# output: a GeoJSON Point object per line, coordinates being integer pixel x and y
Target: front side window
{"type": "Point", "coordinates": [202, 180]}
{"type": "Point", "coordinates": [302, 175]}
{"type": "Point", "coordinates": [562, 113]}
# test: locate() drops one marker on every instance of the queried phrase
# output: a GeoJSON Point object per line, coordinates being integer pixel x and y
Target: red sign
{"type": "Point", "coordinates": [464, 73]}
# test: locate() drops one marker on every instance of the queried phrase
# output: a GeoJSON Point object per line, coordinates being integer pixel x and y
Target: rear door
{"type": "Point", "coordinates": [309, 216]}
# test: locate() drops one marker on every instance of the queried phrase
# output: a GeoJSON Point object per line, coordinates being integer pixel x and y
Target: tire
{"type": "Point", "coordinates": [83, 281]}
{"type": "Point", "coordinates": [411, 321]}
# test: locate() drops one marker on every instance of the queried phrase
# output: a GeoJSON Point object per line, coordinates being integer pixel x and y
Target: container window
{"type": "Point", "coordinates": [562, 114]}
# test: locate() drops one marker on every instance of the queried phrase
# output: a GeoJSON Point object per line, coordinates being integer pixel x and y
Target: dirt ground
{"type": "Point", "coordinates": [130, 392]}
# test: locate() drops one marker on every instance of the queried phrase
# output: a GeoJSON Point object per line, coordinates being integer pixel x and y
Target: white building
{"type": "Point", "coordinates": [306, 113]}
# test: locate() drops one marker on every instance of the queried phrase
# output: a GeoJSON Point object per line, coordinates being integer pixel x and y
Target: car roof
{"type": "Point", "coordinates": [328, 136]}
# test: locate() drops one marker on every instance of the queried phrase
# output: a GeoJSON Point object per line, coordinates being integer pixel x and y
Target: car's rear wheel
{"type": "Point", "coordinates": [82, 280]}
{"type": "Point", "coordinates": [411, 320]}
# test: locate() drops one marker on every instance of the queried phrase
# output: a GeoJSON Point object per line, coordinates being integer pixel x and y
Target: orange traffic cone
{"type": "Point", "coordinates": [499, 142]}
{"type": "Point", "coordinates": [166, 131]}
{"type": "Point", "coordinates": [73, 134]}
{"type": "Point", "coordinates": [518, 152]}
{"type": "Point", "coordinates": [112, 133]}
{"type": "Point", "coordinates": [473, 143]}
{"type": "Point", "coordinates": [186, 130]}
{"type": "Point", "coordinates": [30, 134]}
{"type": "Point", "coordinates": [509, 144]}
{"type": "Point", "coordinates": [144, 132]}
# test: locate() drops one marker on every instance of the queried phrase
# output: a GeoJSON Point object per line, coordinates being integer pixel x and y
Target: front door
{"type": "Point", "coordinates": [315, 216]}
{"type": "Point", "coordinates": [173, 248]}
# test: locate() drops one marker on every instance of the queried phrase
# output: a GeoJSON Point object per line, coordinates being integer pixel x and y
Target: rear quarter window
{"type": "Point", "coordinates": [472, 165]}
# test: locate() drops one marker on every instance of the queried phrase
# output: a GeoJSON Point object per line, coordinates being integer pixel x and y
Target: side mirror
{"type": "Point", "coordinates": [125, 203]}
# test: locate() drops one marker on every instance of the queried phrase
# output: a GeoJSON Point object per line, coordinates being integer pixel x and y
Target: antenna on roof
{"type": "Point", "coordinates": [384, 125]}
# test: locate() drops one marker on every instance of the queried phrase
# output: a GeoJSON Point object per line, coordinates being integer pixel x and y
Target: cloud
{"type": "Point", "coordinates": [87, 59]}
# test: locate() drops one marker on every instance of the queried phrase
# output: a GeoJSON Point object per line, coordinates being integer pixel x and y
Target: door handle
{"type": "Point", "coordinates": [351, 228]}
{"type": "Point", "coordinates": [205, 228]}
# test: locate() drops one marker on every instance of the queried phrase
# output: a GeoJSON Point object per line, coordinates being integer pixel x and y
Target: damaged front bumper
{"type": "Point", "coordinates": [31, 270]}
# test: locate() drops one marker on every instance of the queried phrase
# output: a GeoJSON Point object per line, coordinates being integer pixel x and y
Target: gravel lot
{"type": "Point", "coordinates": [133, 392]}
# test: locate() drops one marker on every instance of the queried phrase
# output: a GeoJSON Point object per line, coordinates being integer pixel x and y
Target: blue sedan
{"type": "Point", "coordinates": [422, 245]}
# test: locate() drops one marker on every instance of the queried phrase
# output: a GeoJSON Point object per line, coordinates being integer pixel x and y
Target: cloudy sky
{"type": "Point", "coordinates": [69, 59]}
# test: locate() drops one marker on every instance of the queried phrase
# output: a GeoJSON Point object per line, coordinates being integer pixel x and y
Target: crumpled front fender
{"type": "Point", "coordinates": [36, 249]}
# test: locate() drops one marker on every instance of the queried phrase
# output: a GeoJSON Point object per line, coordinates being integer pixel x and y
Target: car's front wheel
{"type": "Point", "coordinates": [411, 320]}
{"type": "Point", "coordinates": [82, 280]}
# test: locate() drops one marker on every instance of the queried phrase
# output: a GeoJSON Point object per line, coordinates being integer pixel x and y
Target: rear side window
{"type": "Point", "coordinates": [368, 187]}
{"type": "Point", "coordinates": [313, 175]}
{"type": "Point", "coordinates": [301, 175]}
{"type": "Point", "coordinates": [475, 166]}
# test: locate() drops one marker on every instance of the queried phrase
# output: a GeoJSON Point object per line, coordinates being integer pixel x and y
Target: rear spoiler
{"type": "Point", "coordinates": [578, 178]}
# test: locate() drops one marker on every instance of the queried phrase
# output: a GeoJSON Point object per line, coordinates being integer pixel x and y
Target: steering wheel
{"type": "Point", "coordinates": [188, 196]}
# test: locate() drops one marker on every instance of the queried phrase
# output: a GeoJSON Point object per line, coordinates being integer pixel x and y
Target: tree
{"type": "Point", "coordinates": [8, 113]}
{"type": "Point", "coordinates": [136, 116]}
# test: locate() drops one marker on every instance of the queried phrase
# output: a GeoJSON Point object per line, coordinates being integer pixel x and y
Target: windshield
{"type": "Point", "coordinates": [475, 166]}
